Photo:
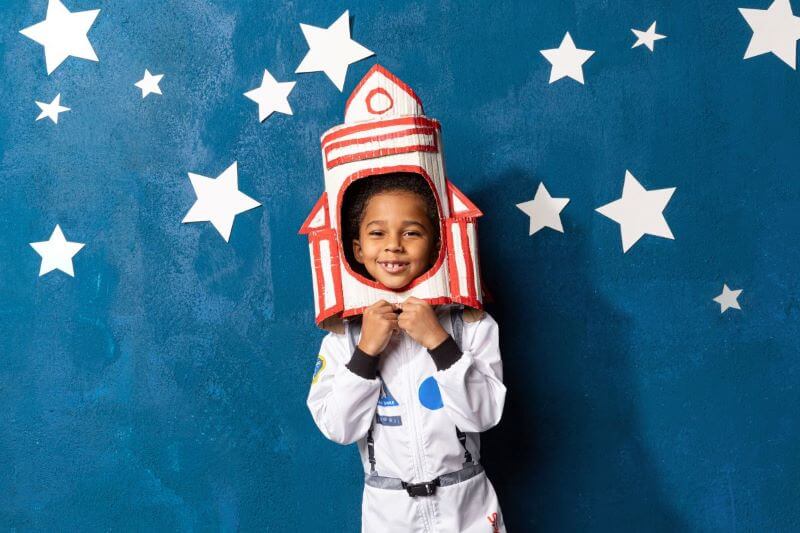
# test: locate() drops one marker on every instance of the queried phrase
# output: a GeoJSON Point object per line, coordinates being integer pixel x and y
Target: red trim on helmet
{"type": "Point", "coordinates": [397, 81]}
{"type": "Point", "coordinates": [373, 92]}
{"type": "Point", "coordinates": [321, 204]}
{"type": "Point", "coordinates": [338, 303]}
{"type": "Point", "coordinates": [381, 152]}
{"type": "Point", "coordinates": [338, 131]}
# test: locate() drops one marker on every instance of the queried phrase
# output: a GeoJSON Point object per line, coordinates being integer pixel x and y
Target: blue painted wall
{"type": "Point", "coordinates": [164, 386]}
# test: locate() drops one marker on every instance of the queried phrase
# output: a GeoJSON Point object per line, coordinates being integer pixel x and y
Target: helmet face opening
{"type": "Point", "coordinates": [356, 195]}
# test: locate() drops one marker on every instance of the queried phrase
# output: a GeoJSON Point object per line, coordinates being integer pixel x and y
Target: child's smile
{"type": "Point", "coordinates": [394, 267]}
{"type": "Point", "coordinates": [395, 241]}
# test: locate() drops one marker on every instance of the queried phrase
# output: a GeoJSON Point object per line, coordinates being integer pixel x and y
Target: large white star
{"type": "Point", "coordinates": [775, 30]}
{"type": "Point", "coordinates": [63, 34]}
{"type": "Point", "coordinates": [331, 50]}
{"type": "Point", "coordinates": [271, 96]}
{"type": "Point", "coordinates": [639, 212]}
{"type": "Point", "coordinates": [567, 60]}
{"type": "Point", "coordinates": [544, 210]}
{"type": "Point", "coordinates": [647, 38]}
{"type": "Point", "coordinates": [219, 200]}
{"type": "Point", "coordinates": [52, 109]}
{"type": "Point", "coordinates": [149, 83]}
{"type": "Point", "coordinates": [728, 298]}
{"type": "Point", "coordinates": [57, 253]}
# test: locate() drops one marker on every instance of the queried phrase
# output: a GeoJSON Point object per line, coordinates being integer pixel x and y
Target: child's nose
{"type": "Point", "coordinates": [394, 245]}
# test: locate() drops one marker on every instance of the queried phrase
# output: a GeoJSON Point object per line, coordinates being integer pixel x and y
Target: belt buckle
{"type": "Point", "coordinates": [427, 488]}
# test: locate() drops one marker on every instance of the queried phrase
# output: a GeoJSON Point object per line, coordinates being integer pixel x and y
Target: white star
{"type": "Point", "coordinates": [775, 30]}
{"type": "Point", "coordinates": [52, 109]}
{"type": "Point", "coordinates": [647, 38]}
{"type": "Point", "coordinates": [149, 84]}
{"type": "Point", "coordinates": [219, 200]}
{"type": "Point", "coordinates": [728, 298]}
{"type": "Point", "coordinates": [63, 34]}
{"type": "Point", "coordinates": [271, 96]}
{"type": "Point", "coordinates": [57, 253]}
{"type": "Point", "coordinates": [567, 60]}
{"type": "Point", "coordinates": [544, 210]}
{"type": "Point", "coordinates": [331, 50]}
{"type": "Point", "coordinates": [639, 212]}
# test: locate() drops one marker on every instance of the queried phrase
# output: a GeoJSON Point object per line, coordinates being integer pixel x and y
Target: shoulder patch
{"type": "Point", "coordinates": [318, 368]}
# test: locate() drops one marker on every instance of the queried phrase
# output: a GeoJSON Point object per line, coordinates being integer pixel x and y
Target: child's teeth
{"type": "Point", "coordinates": [393, 267]}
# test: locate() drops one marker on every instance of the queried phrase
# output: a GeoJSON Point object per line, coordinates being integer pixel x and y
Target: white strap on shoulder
{"type": "Point", "coordinates": [457, 323]}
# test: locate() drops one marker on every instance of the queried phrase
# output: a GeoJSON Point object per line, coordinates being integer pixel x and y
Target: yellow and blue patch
{"type": "Point", "coordinates": [318, 368]}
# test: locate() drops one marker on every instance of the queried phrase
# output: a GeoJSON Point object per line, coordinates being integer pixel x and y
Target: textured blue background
{"type": "Point", "coordinates": [165, 384]}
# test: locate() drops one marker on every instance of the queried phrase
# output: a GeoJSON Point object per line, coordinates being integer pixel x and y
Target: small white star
{"type": "Point", "coordinates": [544, 210]}
{"type": "Point", "coordinates": [639, 212]}
{"type": "Point", "coordinates": [728, 298]}
{"type": "Point", "coordinates": [331, 50]}
{"type": "Point", "coordinates": [52, 109]}
{"type": "Point", "coordinates": [63, 34]}
{"type": "Point", "coordinates": [149, 84]}
{"type": "Point", "coordinates": [219, 200]}
{"type": "Point", "coordinates": [647, 38]}
{"type": "Point", "coordinates": [775, 30]}
{"type": "Point", "coordinates": [567, 60]}
{"type": "Point", "coordinates": [271, 96]}
{"type": "Point", "coordinates": [56, 253]}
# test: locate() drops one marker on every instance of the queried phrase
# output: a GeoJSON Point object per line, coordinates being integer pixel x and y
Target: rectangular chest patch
{"type": "Point", "coordinates": [389, 420]}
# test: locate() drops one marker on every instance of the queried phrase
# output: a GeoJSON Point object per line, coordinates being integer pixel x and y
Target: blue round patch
{"type": "Point", "coordinates": [429, 394]}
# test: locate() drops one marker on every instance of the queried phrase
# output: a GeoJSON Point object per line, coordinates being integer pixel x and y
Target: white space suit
{"type": "Point", "coordinates": [416, 416]}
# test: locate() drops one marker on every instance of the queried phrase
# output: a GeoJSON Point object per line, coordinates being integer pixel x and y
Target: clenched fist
{"type": "Point", "coordinates": [419, 321]}
{"type": "Point", "coordinates": [378, 322]}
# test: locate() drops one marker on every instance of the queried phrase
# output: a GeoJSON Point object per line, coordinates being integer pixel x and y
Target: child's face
{"type": "Point", "coordinates": [395, 240]}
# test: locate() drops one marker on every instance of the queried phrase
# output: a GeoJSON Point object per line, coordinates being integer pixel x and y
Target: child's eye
{"type": "Point", "coordinates": [376, 233]}
{"type": "Point", "coordinates": [415, 233]}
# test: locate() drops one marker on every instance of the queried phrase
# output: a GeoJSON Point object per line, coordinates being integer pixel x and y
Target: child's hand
{"type": "Point", "coordinates": [420, 322]}
{"type": "Point", "coordinates": [378, 323]}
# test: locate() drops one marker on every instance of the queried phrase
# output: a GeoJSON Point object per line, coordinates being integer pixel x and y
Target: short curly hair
{"type": "Point", "coordinates": [358, 194]}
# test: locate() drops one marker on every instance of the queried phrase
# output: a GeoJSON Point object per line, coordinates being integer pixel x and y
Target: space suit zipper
{"type": "Point", "coordinates": [417, 451]}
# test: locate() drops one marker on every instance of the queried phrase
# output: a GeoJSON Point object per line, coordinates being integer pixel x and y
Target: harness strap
{"type": "Point", "coordinates": [353, 327]}
{"type": "Point", "coordinates": [371, 451]}
{"type": "Point", "coordinates": [451, 478]}
{"type": "Point", "coordinates": [462, 438]}
{"type": "Point", "coordinates": [457, 323]}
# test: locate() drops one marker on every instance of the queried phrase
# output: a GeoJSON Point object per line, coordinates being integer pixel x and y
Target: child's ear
{"type": "Point", "coordinates": [357, 253]}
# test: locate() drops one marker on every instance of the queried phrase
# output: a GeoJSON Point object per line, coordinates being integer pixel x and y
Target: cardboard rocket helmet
{"type": "Point", "coordinates": [385, 131]}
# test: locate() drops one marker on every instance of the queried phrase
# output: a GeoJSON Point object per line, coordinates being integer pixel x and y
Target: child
{"type": "Point", "coordinates": [397, 382]}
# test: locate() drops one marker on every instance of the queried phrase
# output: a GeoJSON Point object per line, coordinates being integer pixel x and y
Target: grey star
{"type": "Point", "coordinates": [728, 298]}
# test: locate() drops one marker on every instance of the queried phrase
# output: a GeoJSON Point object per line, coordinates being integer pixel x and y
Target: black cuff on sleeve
{"type": "Point", "coordinates": [362, 364]}
{"type": "Point", "coordinates": [446, 354]}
